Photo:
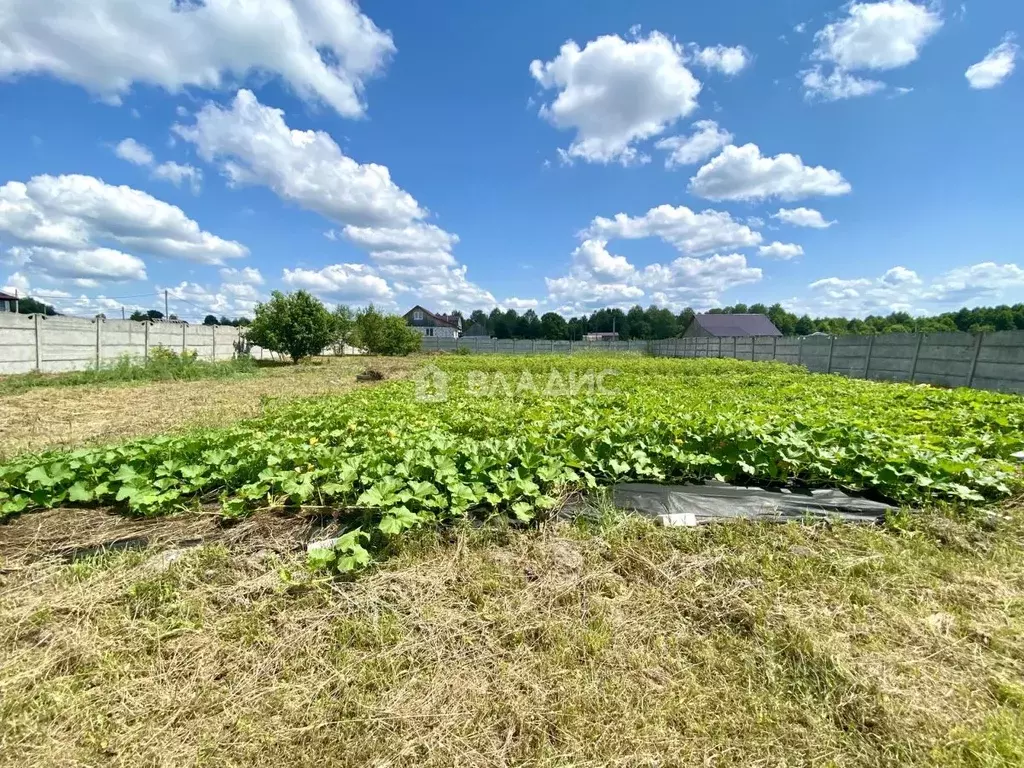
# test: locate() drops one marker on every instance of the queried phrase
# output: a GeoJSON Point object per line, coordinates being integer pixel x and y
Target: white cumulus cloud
{"type": "Point", "coordinates": [729, 60]}
{"type": "Point", "coordinates": [87, 264]}
{"type": "Point", "coordinates": [742, 173]}
{"type": "Point", "coordinates": [93, 223]}
{"type": "Point", "coordinates": [324, 49]}
{"type": "Point", "coordinates": [879, 36]}
{"type": "Point", "coordinates": [247, 275]}
{"type": "Point", "coordinates": [134, 152]}
{"type": "Point", "coordinates": [343, 283]}
{"type": "Point", "coordinates": [802, 217]}
{"type": "Point", "coordinates": [614, 93]}
{"type": "Point", "coordinates": [872, 36]}
{"type": "Point", "coordinates": [781, 251]}
{"type": "Point", "coordinates": [139, 154]}
{"type": "Point", "coordinates": [837, 85]}
{"type": "Point", "coordinates": [254, 145]}
{"type": "Point", "coordinates": [997, 65]}
{"type": "Point", "coordinates": [690, 232]}
{"type": "Point", "coordinates": [706, 139]}
{"type": "Point", "coordinates": [598, 278]}
{"type": "Point", "coordinates": [176, 173]}
{"type": "Point", "coordinates": [903, 289]}
{"type": "Point", "coordinates": [521, 305]}
{"type": "Point", "coordinates": [593, 256]}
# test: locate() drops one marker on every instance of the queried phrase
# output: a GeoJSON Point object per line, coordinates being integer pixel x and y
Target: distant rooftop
{"type": "Point", "coordinates": [737, 325]}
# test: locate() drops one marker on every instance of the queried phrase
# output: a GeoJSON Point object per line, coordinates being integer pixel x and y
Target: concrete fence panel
{"type": "Point", "coordinates": [54, 344]}
{"type": "Point", "coordinates": [1000, 362]}
{"type": "Point", "coordinates": [17, 343]}
{"type": "Point", "coordinates": [850, 355]}
{"type": "Point", "coordinates": [764, 348]}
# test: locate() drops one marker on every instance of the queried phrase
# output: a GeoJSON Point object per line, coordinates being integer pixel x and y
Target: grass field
{"type": "Point", "coordinates": [472, 639]}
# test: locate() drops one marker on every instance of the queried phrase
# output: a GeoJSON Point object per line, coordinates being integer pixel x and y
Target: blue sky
{"type": "Point", "coordinates": [843, 159]}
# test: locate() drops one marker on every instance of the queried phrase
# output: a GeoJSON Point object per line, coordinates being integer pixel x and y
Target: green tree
{"type": "Point", "coordinates": [29, 306]}
{"type": "Point", "coordinates": [804, 326]}
{"type": "Point", "coordinates": [662, 323]}
{"type": "Point", "coordinates": [211, 320]}
{"type": "Point", "coordinates": [685, 318]}
{"type": "Point", "coordinates": [381, 334]}
{"type": "Point", "coordinates": [296, 324]}
{"type": "Point", "coordinates": [344, 327]}
{"type": "Point", "coordinates": [478, 316]}
{"type": "Point", "coordinates": [553, 327]}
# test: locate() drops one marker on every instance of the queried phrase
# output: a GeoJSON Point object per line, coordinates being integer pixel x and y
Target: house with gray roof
{"type": "Point", "coordinates": [721, 325]}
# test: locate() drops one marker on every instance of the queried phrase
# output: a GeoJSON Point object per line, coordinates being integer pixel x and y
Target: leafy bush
{"type": "Point", "coordinates": [294, 324]}
{"type": "Point", "coordinates": [381, 334]}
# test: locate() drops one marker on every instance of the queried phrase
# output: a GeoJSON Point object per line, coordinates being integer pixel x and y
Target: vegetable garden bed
{"type": "Point", "coordinates": [486, 435]}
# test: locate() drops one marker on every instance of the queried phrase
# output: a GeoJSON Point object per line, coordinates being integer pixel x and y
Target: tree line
{"type": "Point", "coordinates": [659, 323]}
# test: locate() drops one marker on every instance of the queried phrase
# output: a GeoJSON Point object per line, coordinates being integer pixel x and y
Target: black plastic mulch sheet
{"type": "Point", "coordinates": [720, 501]}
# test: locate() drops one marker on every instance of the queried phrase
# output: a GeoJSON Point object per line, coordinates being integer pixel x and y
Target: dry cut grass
{"type": "Point", "coordinates": [66, 417]}
{"type": "Point", "coordinates": [735, 644]}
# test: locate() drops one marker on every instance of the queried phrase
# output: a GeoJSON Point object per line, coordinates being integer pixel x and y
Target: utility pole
{"type": "Point", "coordinates": [17, 302]}
{"type": "Point", "coordinates": [122, 311]}
{"type": "Point", "coordinates": [167, 315]}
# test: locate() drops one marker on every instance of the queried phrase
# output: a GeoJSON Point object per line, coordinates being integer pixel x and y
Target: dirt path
{"type": "Point", "coordinates": [66, 417]}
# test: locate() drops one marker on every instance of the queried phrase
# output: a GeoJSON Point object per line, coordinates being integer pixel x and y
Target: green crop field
{"type": "Point", "coordinates": [158, 605]}
{"type": "Point", "coordinates": [492, 435]}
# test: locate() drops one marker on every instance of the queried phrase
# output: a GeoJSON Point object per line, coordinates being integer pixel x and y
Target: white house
{"type": "Point", "coordinates": [434, 325]}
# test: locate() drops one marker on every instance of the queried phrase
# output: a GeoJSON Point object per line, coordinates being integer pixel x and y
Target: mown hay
{"type": "Point", "coordinates": [733, 644]}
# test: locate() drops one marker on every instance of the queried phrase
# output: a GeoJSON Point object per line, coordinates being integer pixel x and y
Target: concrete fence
{"type": "Point", "coordinates": [51, 344]}
{"type": "Point", "coordinates": [981, 360]}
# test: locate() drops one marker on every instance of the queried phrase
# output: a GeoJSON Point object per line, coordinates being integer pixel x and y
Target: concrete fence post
{"type": "Point", "coordinates": [974, 361]}
{"type": "Point", "coordinates": [867, 359]}
{"type": "Point", "coordinates": [145, 341]}
{"type": "Point", "coordinates": [775, 347]}
{"type": "Point", "coordinates": [831, 348]}
{"type": "Point", "coordinates": [213, 331]}
{"type": "Point", "coordinates": [917, 352]}
{"type": "Point", "coordinates": [39, 343]}
{"type": "Point", "coordinates": [99, 341]}
{"type": "Point", "coordinates": [719, 346]}
{"type": "Point", "coordinates": [183, 327]}
{"type": "Point", "coordinates": [800, 352]}
{"type": "Point", "coordinates": [753, 345]}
